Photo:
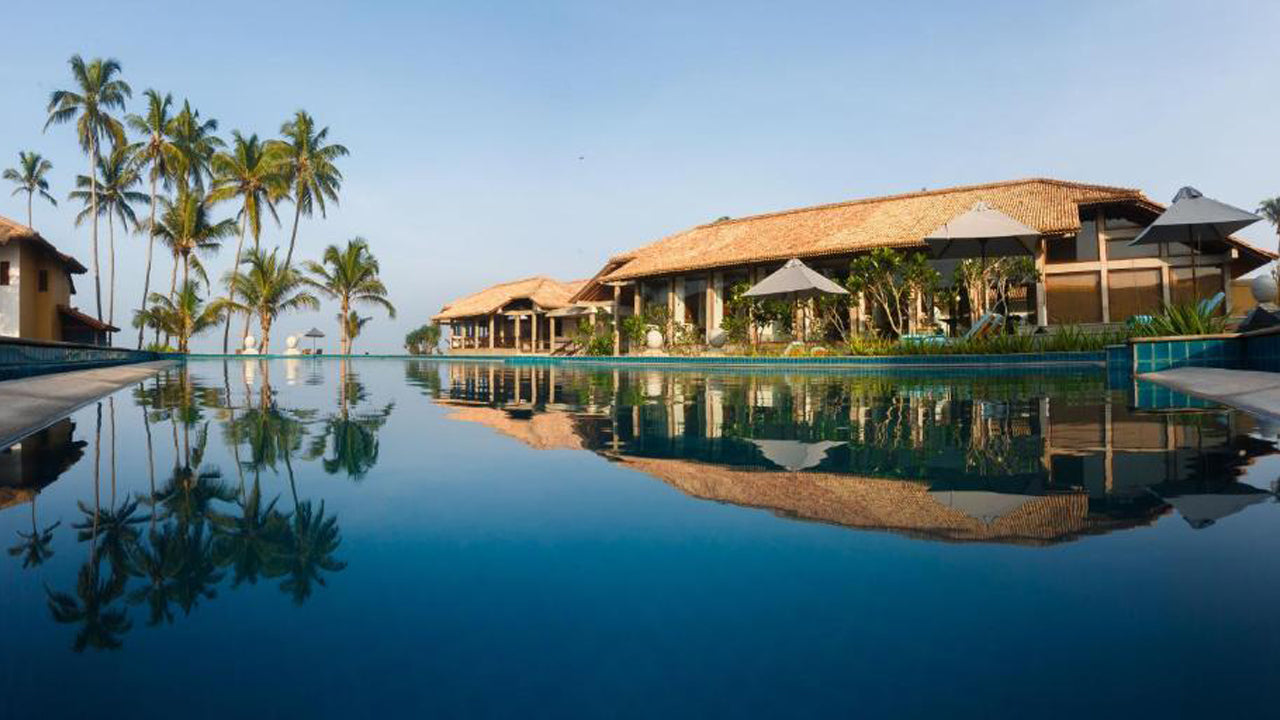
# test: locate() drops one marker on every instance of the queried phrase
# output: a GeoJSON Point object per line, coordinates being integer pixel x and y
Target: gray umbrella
{"type": "Point", "coordinates": [981, 231]}
{"type": "Point", "coordinates": [1193, 219]}
{"type": "Point", "coordinates": [794, 455]}
{"type": "Point", "coordinates": [313, 333]}
{"type": "Point", "coordinates": [795, 279]}
{"type": "Point", "coordinates": [981, 505]}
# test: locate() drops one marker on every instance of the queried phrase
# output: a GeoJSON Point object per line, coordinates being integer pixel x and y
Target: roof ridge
{"type": "Point", "coordinates": [915, 194]}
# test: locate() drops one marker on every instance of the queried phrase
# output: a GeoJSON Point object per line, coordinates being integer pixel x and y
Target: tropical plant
{"type": "Point", "coordinates": [184, 315]}
{"type": "Point", "coordinates": [98, 91]}
{"type": "Point", "coordinates": [349, 275]}
{"type": "Point", "coordinates": [197, 143]}
{"type": "Point", "coordinates": [423, 340]}
{"type": "Point", "coordinates": [268, 289]}
{"type": "Point", "coordinates": [892, 280]}
{"type": "Point", "coordinates": [1270, 209]}
{"type": "Point", "coordinates": [160, 157]}
{"type": "Point", "coordinates": [1192, 318]}
{"type": "Point", "coordinates": [186, 228]}
{"type": "Point", "coordinates": [29, 176]}
{"type": "Point", "coordinates": [352, 325]}
{"type": "Point", "coordinates": [246, 173]}
{"type": "Point", "coordinates": [307, 160]}
{"type": "Point", "coordinates": [116, 196]}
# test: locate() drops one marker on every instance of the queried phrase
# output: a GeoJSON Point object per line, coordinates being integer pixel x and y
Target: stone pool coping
{"type": "Point", "coordinates": [884, 362]}
{"type": "Point", "coordinates": [31, 404]}
{"type": "Point", "coordinates": [1254, 391]}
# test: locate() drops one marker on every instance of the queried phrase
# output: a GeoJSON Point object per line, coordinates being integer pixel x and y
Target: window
{"type": "Point", "coordinates": [1208, 282]}
{"type": "Point", "coordinates": [4, 272]}
{"type": "Point", "coordinates": [695, 302]}
{"type": "Point", "coordinates": [42, 281]}
{"type": "Point", "coordinates": [1081, 248]}
{"type": "Point", "coordinates": [1074, 297]}
{"type": "Point", "coordinates": [1133, 292]}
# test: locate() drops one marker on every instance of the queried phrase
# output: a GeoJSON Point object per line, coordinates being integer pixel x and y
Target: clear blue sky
{"type": "Point", "coordinates": [466, 121]}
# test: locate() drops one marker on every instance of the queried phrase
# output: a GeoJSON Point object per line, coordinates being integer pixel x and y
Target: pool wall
{"type": "Point", "coordinates": [1095, 360]}
{"type": "Point", "coordinates": [1259, 350]}
{"type": "Point", "coordinates": [25, 358]}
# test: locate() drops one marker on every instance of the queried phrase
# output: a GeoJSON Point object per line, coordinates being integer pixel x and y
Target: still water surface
{"type": "Point", "coordinates": [316, 538]}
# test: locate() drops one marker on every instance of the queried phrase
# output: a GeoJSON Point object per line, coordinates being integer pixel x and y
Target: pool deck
{"type": "Point", "coordinates": [1253, 391]}
{"type": "Point", "coordinates": [34, 403]}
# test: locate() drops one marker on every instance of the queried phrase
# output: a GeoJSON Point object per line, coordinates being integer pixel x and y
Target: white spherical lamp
{"type": "Point", "coordinates": [1264, 288]}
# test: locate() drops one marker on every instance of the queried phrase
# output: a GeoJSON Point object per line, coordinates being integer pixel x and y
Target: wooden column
{"type": "Point", "coordinates": [551, 322]}
{"type": "Point", "coordinates": [1104, 284]}
{"type": "Point", "coordinates": [533, 332]}
{"type": "Point", "coordinates": [671, 308]}
{"type": "Point", "coordinates": [1042, 302]}
{"type": "Point", "coordinates": [617, 310]}
{"type": "Point", "coordinates": [716, 293]}
{"type": "Point", "coordinates": [516, 319]}
{"type": "Point", "coordinates": [490, 332]}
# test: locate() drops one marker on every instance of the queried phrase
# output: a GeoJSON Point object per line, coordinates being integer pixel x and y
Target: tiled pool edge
{"type": "Point", "coordinates": [21, 358]}
{"type": "Point", "coordinates": [1094, 360]}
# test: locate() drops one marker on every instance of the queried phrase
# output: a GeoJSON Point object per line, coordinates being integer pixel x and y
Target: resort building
{"type": "Point", "coordinates": [36, 288]}
{"type": "Point", "coordinates": [1089, 271]}
{"type": "Point", "coordinates": [533, 315]}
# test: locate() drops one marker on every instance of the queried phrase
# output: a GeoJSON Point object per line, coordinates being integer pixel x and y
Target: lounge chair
{"type": "Point", "coordinates": [989, 323]}
{"type": "Point", "coordinates": [1209, 306]}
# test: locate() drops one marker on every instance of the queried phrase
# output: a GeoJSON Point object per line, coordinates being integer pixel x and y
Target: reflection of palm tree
{"type": "Point", "coordinates": [159, 562]}
{"type": "Point", "coordinates": [199, 577]}
{"type": "Point", "coordinates": [114, 530]}
{"type": "Point", "coordinates": [252, 543]}
{"type": "Point", "coordinates": [350, 437]}
{"type": "Point", "coordinates": [312, 540]}
{"type": "Point", "coordinates": [34, 547]}
{"type": "Point", "coordinates": [100, 625]}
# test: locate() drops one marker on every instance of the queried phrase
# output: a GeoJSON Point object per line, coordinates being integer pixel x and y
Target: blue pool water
{"type": "Point", "coordinates": [317, 538]}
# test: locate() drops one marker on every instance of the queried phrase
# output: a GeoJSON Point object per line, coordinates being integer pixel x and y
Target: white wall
{"type": "Point", "coordinates": [9, 293]}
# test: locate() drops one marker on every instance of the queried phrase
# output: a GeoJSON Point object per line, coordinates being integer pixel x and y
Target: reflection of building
{"type": "Point", "coordinates": [36, 289]}
{"type": "Point", "coordinates": [1013, 460]}
{"type": "Point", "coordinates": [29, 466]}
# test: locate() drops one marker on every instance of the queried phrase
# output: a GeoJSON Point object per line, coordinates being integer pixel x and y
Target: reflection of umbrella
{"type": "Point", "coordinates": [794, 455]}
{"type": "Point", "coordinates": [795, 281]}
{"type": "Point", "coordinates": [313, 333]}
{"type": "Point", "coordinates": [1204, 509]}
{"type": "Point", "coordinates": [983, 505]}
{"type": "Point", "coordinates": [979, 232]}
{"type": "Point", "coordinates": [1193, 218]}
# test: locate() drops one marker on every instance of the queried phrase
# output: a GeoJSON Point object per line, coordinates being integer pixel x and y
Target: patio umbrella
{"type": "Point", "coordinates": [1201, 510]}
{"type": "Point", "coordinates": [793, 455]}
{"type": "Point", "coordinates": [1193, 218]}
{"type": "Point", "coordinates": [980, 232]}
{"type": "Point", "coordinates": [983, 505]}
{"type": "Point", "coordinates": [313, 333]}
{"type": "Point", "coordinates": [795, 281]}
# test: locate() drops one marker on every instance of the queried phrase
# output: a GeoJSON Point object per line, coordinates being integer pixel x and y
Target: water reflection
{"type": "Point", "coordinates": [1023, 459]}
{"type": "Point", "coordinates": [195, 529]}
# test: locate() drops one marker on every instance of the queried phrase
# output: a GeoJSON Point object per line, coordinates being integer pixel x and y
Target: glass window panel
{"type": "Point", "coordinates": [1133, 292]}
{"type": "Point", "coordinates": [1121, 248]}
{"type": "Point", "coordinates": [1208, 282]}
{"type": "Point", "coordinates": [1081, 248]}
{"type": "Point", "coordinates": [1074, 297]}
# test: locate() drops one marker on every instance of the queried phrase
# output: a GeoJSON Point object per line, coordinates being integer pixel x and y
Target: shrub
{"type": "Point", "coordinates": [1182, 319]}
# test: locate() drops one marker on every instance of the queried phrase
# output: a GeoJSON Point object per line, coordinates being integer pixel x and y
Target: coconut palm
{"type": "Point", "coordinates": [352, 325]}
{"type": "Point", "coordinates": [267, 289]}
{"type": "Point", "coordinates": [307, 161]}
{"type": "Point", "coordinates": [249, 174]}
{"type": "Point", "coordinates": [29, 176]}
{"type": "Point", "coordinates": [197, 143]}
{"type": "Point", "coordinates": [186, 228]}
{"type": "Point", "coordinates": [159, 156]}
{"type": "Point", "coordinates": [349, 275]}
{"type": "Point", "coordinates": [185, 315]}
{"type": "Point", "coordinates": [116, 196]}
{"type": "Point", "coordinates": [98, 91]}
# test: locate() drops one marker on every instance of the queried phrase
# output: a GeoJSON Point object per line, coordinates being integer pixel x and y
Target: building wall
{"type": "Point", "coordinates": [10, 306]}
{"type": "Point", "coordinates": [39, 319]}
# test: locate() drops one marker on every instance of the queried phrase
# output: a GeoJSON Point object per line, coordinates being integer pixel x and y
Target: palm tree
{"type": "Point", "coordinates": [247, 173]}
{"type": "Point", "coordinates": [186, 228]}
{"type": "Point", "coordinates": [185, 315]}
{"type": "Point", "coordinates": [268, 289]}
{"type": "Point", "coordinates": [196, 143]}
{"type": "Point", "coordinates": [29, 177]}
{"type": "Point", "coordinates": [350, 276]}
{"type": "Point", "coordinates": [158, 154]}
{"type": "Point", "coordinates": [115, 199]}
{"type": "Point", "coordinates": [351, 325]}
{"type": "Point", "coordinates": [307, 160]}
{"type": "Point", "coordinates": [98, 91]}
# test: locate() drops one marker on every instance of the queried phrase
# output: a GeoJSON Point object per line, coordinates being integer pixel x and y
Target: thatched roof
{"type": "Point", "coordinates": [11, 230]}
{"type": "Point", "coordinates": [894, 505]}
{"type": "Point", "coordinates": [544, 292]}
{"type": "Point", "coordinates": [1051, 207]}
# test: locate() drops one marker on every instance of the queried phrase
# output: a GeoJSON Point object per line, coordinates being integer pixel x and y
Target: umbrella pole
{"type": "Point", "coordinates": [1195, 261]}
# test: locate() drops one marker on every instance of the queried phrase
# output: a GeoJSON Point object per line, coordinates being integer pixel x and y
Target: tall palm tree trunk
{"type": "Point", "coordinates": [111, 269]}
{"type": "Point", "coordinates": [264, 322]}
{"type": "Point", "coordinates": [93, 202]}
{"type": "Point", "coordinates": [30, 222]}
{"type": "Point", "coordinates": [346, 341]}
{"type": "Point", "coordinates": [235, 272]}
{"type": "Point", "coordinates": [293, 236]}
{"type": "Point", "coordinates": [151, 243]}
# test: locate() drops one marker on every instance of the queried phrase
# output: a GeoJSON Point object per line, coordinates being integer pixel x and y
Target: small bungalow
{"type": "Point", "coordinates": [1089, 271]}
{"type": "Point", "coordinates": [532, 316]}
{"type": "Point", "coordinates": [35, 291]}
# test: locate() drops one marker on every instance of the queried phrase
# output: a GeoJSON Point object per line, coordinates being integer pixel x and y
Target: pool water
{"type": "Point", "coordinates": [325, 538]}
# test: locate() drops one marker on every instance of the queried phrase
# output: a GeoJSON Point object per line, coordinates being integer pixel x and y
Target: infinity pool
{"type": "Point", "coordinates": [319, 538]}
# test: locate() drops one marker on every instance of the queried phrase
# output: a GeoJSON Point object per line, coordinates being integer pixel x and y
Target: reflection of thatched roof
{"type": "Point", "coordinates": [901, 506]}
{"type": "Point", "coordinates": [541, 431]}
{"type": "Point", "coordinates": [10, 496]}
{"type": "Point", "coordinates": [544, 292]}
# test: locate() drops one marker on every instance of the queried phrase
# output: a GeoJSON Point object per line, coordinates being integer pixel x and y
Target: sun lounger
{"type": "Point", "coordinates": [987, 324]}
{"type": "Point", "coordinates": [1210, 305]}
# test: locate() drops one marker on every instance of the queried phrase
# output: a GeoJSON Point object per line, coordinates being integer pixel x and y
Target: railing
{"type": "Point", "coordinates": [21, 357]}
